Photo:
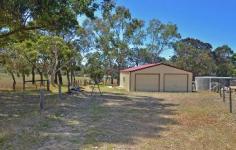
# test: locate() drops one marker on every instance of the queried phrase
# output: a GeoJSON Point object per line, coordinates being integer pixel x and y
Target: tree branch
{"type": "Point", "coordinates": [65, 64]}
{"type": "Point", "coordinates": [20, 29]}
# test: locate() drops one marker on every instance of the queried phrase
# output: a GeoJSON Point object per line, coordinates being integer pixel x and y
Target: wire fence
{"type": "Point", "coordinates": [226, 88]}
{"type": "Point", "coordinates": [228, 96]}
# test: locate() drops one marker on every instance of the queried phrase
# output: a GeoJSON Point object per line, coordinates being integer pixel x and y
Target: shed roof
{"type": "Point", "coordinates": [136, 68]}
{"type": "Point", "coordinates": [213, 77]}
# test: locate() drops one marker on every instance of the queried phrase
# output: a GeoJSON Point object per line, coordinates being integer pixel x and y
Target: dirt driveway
{"type": "Point", "coordinates": [115, 121]}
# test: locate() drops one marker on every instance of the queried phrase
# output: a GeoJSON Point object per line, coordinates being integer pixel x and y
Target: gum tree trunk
{"type": "Point", "coordinates": [14, 81]}
{"type": "Point", "coordinates": [118, 80]}
{"type": "Point", "coordinates": [68, 79]}
{"type": "Point", "coordinates": [55, 66]}
{"type": "Point", "coordinates": [33, 75]}
{"type": "Point", "coordinates": [55, 78]}
{"type": "Point", "coordinates": [71, 77]}
{"type": "Point", "coordinates": [52, 76]}
{"type": "Point", "coordinates": [112, 79]}
{"type": "Point", "coordinates": [23, 79]}
{"type": "Point", "coordinates": [59, 91]}
{"type": "Point", "coordinates": [41, 78]}
{"type": "Point", "coordinates": [60, 77]}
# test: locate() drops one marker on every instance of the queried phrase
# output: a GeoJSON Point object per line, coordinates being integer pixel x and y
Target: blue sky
{"type": "Point", "coordinates": [212, 21]}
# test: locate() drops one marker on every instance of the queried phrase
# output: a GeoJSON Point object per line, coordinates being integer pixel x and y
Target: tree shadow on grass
{"type": "Point", "coordinates": [136, 116]}
{"type": "Point", "coordinates": [117, 119]}
{"type": "Point", "coordinates": [93, 120]}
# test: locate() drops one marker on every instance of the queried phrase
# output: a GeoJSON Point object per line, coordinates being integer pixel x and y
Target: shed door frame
{"type": "Point", "coordinates": [164, 77]}
{"type": "Point", "coordinates": [147, 74]}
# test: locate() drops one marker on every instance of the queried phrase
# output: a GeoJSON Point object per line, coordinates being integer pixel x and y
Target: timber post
{"type": "Point", "coordinates": [230, 100]}
{"type": "Point", "coordinates": [224, 95]}
{"type": "Point", "coordinates": [42, 99]}
{"type": "Point", "coordinates": [59, 90]}
{"type": "Point", "coordinates": [23, 85]}
{"type": "Point", "coordinates": [220, 89]}
{"type": "Point", "coordinates": [48, 85]}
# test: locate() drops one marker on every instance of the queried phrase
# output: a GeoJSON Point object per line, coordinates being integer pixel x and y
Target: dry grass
{"type": "Point", "coordinates": [203, 123]}
{"type": "Point", "coordinates": [6, 82]}
{"type": "Point", "coordinates": [116, 120]}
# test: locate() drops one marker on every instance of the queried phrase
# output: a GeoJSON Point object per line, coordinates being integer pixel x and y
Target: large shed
{"type": "Point", "coordinates": [157, 77]}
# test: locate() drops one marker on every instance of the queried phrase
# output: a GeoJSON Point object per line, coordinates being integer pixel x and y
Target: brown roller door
{"type": "Point", "coordinates": [176, 83]}
{"type": "Point", "coordinates": [147, 82]}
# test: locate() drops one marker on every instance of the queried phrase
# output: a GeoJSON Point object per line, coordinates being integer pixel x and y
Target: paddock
{"type": "Point", "coordinates": [125, 120]}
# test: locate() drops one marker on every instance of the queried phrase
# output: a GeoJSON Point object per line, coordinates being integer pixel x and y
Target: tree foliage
{"type": "Point", "coordinates": [223, 60]}
{"type": "Point", "coordinates": [161, 37]}
{"type": "Point", "coordinates": [194, 55]}
{"type": "Point", "coordinates": [95, 67]}
{"type": "Point", "coordinates": [24, 15]}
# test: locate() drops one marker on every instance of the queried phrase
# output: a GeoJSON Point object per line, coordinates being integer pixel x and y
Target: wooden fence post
{"type": "Point", "coordinates": [48, 85]}
{"type": "Point", "coordinates": [23, 85]}
{"type": "Point", "coordinates": [59, 91]}
{"type": "Point", "coordinates": [230, 100]}
{"type": "Point", "coordinates": [223, 94]}
{"type": "Point", "coordinates": [41, 104]}
{"type": "Point", "coordinates": [218, 87]}
{"type": "Point", "coordinates": [220, 91]}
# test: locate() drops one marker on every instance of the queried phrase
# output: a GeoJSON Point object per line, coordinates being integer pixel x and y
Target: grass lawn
{"type": "Point", "coordinates": [116, 120]}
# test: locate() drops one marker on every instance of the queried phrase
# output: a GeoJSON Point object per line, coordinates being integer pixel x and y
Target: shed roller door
{"type": "Point", "coordinates": [147, 83]}
{"type": "Point", "coordinates": [175, 83]}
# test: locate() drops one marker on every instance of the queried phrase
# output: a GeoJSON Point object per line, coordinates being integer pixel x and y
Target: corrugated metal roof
{"type": "Point", "coordinates": [132, 69]}
{"type": "Point", "coordinates": [213, 77]}
{"type": "Point", "coordinates": [139, 67]}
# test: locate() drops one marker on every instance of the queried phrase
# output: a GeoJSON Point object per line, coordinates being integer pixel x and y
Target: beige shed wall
{"type": "Point", "coordinates": [125, 84]}
{"type": "Point", "coordinates": [162, 70]}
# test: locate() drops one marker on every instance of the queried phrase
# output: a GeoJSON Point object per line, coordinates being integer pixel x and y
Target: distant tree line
{"type": "Point", "coordinates": [49, 38]}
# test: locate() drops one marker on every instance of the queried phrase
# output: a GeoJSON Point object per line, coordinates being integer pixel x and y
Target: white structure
{"type": "Point", "coordinates": [205, 83]}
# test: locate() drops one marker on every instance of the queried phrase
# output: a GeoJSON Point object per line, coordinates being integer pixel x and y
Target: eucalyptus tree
{"type": "Point", "coordinates": [138, 53]}
{"type": "Point", "coordinates": [30, 54]}
{"type": "Point", "coordinates": [95, 66]}
{"type": "Point", "coordinates": [223, 59]}
{"type": "Point", "coordinates": [194, 55]}
{"type": "Point", "coordinates": [54, 55]}
{"type": "Point", "coordinates": [97, 35]}
{"type": "Point", "coordinates": [121, 20]}
{"type": "Point", "coordinates": [8, 61]}
{"type": "Point", "coordinates": [18, 16]}
{"type": "Point", "coordinates": [14, 62]}
{"type": "Point", "coordinates": [74, 64]}
{"type": "Point", "coordinates": [22, 65]}
{"type": "Point", "coordinates": [161, 37]}
{"type": "Point", "coordinates": [104, 38]}
{"type": "Point", "coordinates": [114, 40]}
